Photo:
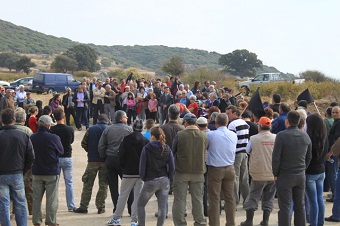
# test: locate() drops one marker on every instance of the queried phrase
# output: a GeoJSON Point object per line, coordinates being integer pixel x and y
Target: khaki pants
{"type": "Point", "coordinates": [221, 178]}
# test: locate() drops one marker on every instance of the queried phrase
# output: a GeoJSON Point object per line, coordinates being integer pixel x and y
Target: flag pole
{"type": "Point", "coordinates": [316, 108]}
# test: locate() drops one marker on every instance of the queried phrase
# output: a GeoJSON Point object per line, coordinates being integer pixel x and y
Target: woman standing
{"type": "Point", "coordinates": [315, 173]}
{"type": "Point", "coordinates": [155, 168]}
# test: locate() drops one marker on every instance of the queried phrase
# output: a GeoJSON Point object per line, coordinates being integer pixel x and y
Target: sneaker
{"type": "Point", "coordinates": [100, 211]}
{"type": "Point", "coordinates": [79, 129]}
{"type": "Point", "coordinates": [134, 223]}
{"type": "Point", "coordinates": [114, 222]}
{"type": "Point", "coordinates": [71, 209]}
{"type": "Point", "coordinates": [329, 195]}
{"type": "Point", "coordinates": [330, 200]}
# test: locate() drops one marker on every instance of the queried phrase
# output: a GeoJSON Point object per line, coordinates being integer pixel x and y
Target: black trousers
{"type": "Point", "coordinates": [68, 112]}
{"type": "Point", "coordinates": [97, 108]}
{"type": "Point", "coordinates": [113, 171]}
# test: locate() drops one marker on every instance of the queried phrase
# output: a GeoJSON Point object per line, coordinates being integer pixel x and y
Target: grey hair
{"type": "Point", "coordinates": [20, 116]}
{"type": "Point", "coordinates": [213, 95]}
{"type": "Point", "coordinates": [21, 86]}
{"type": "Point", "coordinates": [192, 97]}
{"type": "Point", "coordinates": [118, 116]}
{"type": "Point", "coordinates": [221, 119]}
{"type": "Point", "coordinates": [173, 112]}
{"type": "Point", "coordinates": [213, 116]}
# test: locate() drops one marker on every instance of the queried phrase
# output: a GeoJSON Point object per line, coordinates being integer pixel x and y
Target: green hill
{"type": "Point", "coordinates": [24, 40]}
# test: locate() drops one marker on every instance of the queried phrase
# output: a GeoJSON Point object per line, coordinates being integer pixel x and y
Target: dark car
{"type": "Point", "coordinates": [53, 82]}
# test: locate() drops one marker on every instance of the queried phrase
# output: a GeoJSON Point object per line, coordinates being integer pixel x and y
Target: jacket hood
{"type": "Point", "coordinates": [135, 138]}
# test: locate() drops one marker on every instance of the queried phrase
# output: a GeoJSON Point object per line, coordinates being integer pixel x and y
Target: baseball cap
{"type": "Point", "coordinates": [190, 117]}
{"type": "Point", "coordinates": [138, 125]}
{"type": "Point", "coordinates": [45, 120]}
{"type": "Point", "coordinates": [264, 121]}
{"type": "Point", "coordinates": [201, 121]}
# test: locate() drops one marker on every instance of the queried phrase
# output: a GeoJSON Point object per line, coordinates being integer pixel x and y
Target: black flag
{"type": "Point", "coordinates": [129, 78]}
{"type": "Point", "coordinates": [255, 105]}
{"type": "Point", "coordinates": [307, 96]}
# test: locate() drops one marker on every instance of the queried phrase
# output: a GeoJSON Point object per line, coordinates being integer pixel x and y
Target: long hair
{"type": "Point", "coordinates": [158, 133]}
{"type": "Point", "coordinates": [316, 129]}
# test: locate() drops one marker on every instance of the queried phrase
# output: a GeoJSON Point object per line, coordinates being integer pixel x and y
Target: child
{"type": "Point", "coordinates": [131, 107]}
{"type": "Point", "coordinates": [148, 125]}
{"type": "Point", "coordinates": [33, 121]}
{"type": "Point", "coordinates": [152, 105]}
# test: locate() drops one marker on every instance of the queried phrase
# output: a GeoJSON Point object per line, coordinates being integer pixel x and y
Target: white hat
{"type": "Point", "coordinates": [202, 121]}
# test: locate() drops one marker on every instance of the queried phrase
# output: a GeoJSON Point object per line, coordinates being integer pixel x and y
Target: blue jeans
{"type": "Point", "coordinates": [160, 187]}
{"type": "Point", "coordinates": [336, 204]}
{"type": "Point", "coordinates": [81, 112]}
{"type": "Point", "coordinates": [314, 192]}
{"type": "Point", "coordinates": [12, 186]}
{"type": "Point", "coordinates": [332, 173]}
{"type": "Point", "coordinates": [66, 165]}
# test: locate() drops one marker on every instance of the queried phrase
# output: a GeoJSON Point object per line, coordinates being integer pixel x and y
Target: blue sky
{"type": "Point", "coordinates": [293, 36]}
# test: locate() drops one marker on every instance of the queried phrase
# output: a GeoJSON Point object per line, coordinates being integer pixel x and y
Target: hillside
{"type": "Point", "coordinates": [24, 40]}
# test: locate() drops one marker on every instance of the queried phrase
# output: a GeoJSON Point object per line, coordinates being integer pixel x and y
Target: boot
{"type": "Point", "coordinates": [265, 221]}
{"type": "Point", "coordinates": [249, 220]}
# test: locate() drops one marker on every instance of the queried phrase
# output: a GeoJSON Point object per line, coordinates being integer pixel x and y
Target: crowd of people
{"type": "Point", "coordinates": [207, 143]}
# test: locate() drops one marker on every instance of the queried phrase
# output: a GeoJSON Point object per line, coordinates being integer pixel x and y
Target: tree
{"type": "Point", "coordinates": [106, 62]}
{"type": "Point", "coordinates": [24, 63]}
{"type": "Point", "coordinates": [85, 56]}
{"type": "Point", "coordinates": [9, 60]}
{"type": "Point", "coordinates": [240, 63]}
{"type": "Point", "coordinates": [63, 63]}
{"type": "Point", "coordinates": [174, 66]}
{"type": "Point", "coordinates": [316, 76]}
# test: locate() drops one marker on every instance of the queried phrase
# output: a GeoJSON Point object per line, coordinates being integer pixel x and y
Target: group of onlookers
{"type": "Point", "coordinates": [207, 143]}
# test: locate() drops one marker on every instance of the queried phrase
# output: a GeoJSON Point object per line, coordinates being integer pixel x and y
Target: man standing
{"type": "Point", "coordinates": [276, 101]}
{"type": "Point", "coordinates": [68, 106]}
{"type": "Point", "coordinates": [81, 100]}
{"type": "Point", "coordinates": [16, 158]}
{"type": "Point", "coordinates": [189, 149]}
{"type": "Point", "coordinates": [108, 148]}
{"type": "Point", "coordinates": [165, 101]}
{"type": "Point", "coordinates": [260, 147]}
{"type": "Point", "coordinates": [46, 171]}
{"type": "Point", "coordinates": [21, 96]}
{"type": "Point", "coordinates": [7, 101]}
{"type": "Point", "coordinates": [334, 134]}
{"type": "Point", "coordinates": [241, 128]}
{"type": "Point", "coordinates": [95, 165]}
{"type": "Point", "coordinates": [109, 102]}
{"type": "Point", "coordinates": [97, 102]}
{"type": "Point", "coordinates": [221, 173]}
{"type": "Point", "coordinates": [279, 122]}
{"type": "Point", "coordinates": [291, 156]}
{"type": "Point", "coordinates": [66, 134]}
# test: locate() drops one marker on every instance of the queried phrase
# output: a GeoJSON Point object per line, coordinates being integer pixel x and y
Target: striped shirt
{"type": "Point", "coordinates": [241, 128]}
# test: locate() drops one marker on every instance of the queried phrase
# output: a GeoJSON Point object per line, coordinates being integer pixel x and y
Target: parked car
{"type": "Point", "coordinates": [53, 82]}
{"type": "Point", "coordinates": [267, 78]}
{"type": "Point", "coordinates": [26, 82]}
{"type": "Point", "coordinates": [4, 83]}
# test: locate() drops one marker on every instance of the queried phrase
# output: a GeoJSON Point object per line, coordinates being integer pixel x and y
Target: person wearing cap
{"type": "Point", "coordinates": [129, 154]}
{"type": "Point", "coordinates": [16, 158]}
{"type": "Point", "coordinates": [202, 124]}
{"type": "Point", "coordinates": [46, 170]}
{"type": "Point", "coordinates": [20, 96]}
{"type": "Point", "coordinates": [221, 173]}
{"type": "Point", "coordinates": [260, 148]}
{"type": "Point", "coordinates": [95, 165]}
{"type": "Point", "coordinates": [66, 134]}
{"type": "Point", "coordinates": [108, 148]}
{"type": "Point", "coordinates": [189, 147]}
{"type": "Point", "coordinates": [289, 162]}
{"type": "Point", "coordinates": [241, 128]}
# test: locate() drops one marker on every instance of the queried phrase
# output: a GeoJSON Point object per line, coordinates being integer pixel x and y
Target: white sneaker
{"type": "Point", "coordinates": [134, 223]}
{"type": "Point", "coordinates": [114, 222]}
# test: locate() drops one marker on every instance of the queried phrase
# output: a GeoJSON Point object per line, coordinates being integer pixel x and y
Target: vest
{"type": "Point", "coordinates": [260, 161]}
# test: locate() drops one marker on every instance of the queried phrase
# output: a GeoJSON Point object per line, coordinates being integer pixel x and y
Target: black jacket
{"type": "Point", "coordinates": [16, 151]}
{"type": "Point", "coordinates": [129, 152]}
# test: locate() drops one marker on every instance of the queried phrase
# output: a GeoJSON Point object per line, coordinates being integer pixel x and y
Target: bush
{"type": "Point", "coordinates": [80, 74]}
{"type": "Point", "coordinates": [10, 77]}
